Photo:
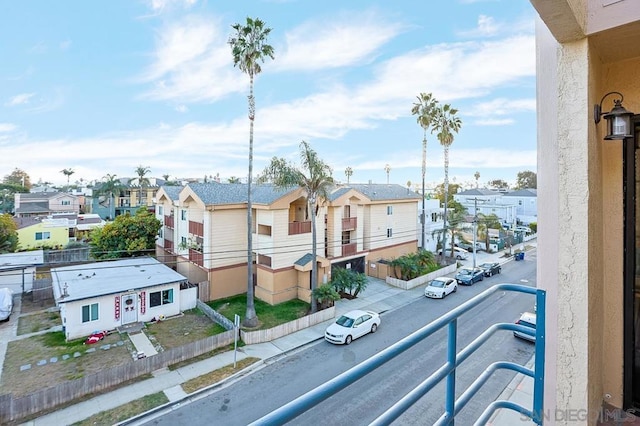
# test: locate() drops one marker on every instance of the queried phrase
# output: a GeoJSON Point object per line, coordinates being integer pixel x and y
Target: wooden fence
{"type": "Point", "coordinates": [214, 315]}
{"type": "Point", "coordinates": [42, 289]}
{"type": "Point", "coordinates": [75, 255]}
{"type": "Point", "coordinates": [260, 336]}
{"type": "Point", "coordinates": [15, 408]}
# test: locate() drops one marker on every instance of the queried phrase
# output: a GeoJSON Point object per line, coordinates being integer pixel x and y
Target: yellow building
{"type": "Point", "coordinates": [38, 233]}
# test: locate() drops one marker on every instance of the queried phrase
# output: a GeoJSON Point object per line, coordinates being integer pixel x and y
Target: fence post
{"type": "Point", "coordinates": [450, 400]}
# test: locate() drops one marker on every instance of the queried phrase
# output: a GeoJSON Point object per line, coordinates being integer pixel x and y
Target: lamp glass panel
{"type": "Point", "coordinates": [620, 125]}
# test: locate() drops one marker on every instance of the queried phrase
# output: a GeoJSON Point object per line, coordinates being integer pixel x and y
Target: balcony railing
{"type": "Point", "coordinates": [196, 228]}
{"type": "Point", "coordinates": [296, 228]}
{"type": "Point", "coordinates": [349, 249]}
{"type": "Point", "coordinates": [168, 221]}
{"type": "Point", "coordinates": [453, 406]}
{"type": "Point", "coordinates": [168, 245]}
{"type": "Point", "coordinates": [349, 223]}
{"type": "Point", "coordinates": [196, 257]}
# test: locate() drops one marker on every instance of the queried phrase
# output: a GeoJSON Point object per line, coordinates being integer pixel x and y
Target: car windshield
{"type": "Point", "coordinates": [465, 272]}
{"type": "Point", "coordinates": [345, 321]}
{"type": "Point", "coordinates": [485, 266]}
{"type": "Point", "coordinates": [437, 283]}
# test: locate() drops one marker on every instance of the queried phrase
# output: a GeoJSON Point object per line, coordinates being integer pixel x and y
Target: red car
{"type": "Point", "coordinates": [95, 337]}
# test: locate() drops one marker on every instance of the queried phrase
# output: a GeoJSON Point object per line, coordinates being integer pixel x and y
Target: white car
{"type": "Point", "coordinates": [6, 304]}
{"type": "Point", "coordinates": [528, 320]}
{"type": "Point", "coordinates": [458, 253]}
{"type": "Point", "coordinates": [440, 287]}
{"type": "Point", "coordinates": [352, 325]}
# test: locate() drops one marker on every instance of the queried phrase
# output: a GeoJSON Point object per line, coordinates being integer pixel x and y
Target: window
{"type": "Point", "coordinates": [519, 202]}
{"type": "Point", "coordinates": [90, 312]}
{"type": "Point", "coordinates": [389, 232]}
{"type": "Point", "coordinates": [160, 210]}
{"type": "Point", "coordinates": [158, 298]}
{"type": "Point", "coordinates": [66, 202]}
{"type": "Point", "coordinates": [389, 210]}
{"type": "Point", "coordinates": [183, 214]}
{"type": "Point", "coordinates": [160, 233]}
{"type": "Point", "coordinates": [183, 241]}
{"type": "Point", "coordinates": [43, 236]}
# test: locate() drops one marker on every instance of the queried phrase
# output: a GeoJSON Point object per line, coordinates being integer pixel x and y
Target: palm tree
{"type": "Point", "coordinates": [477, 176]}
{"type": "Point", "coordinates": [425, 110]}
{"type": "Point", "coordinates": [166, 177]}
{"type": "Point", "coordinates": [446, 123]}
{"type": "Point", "coordinates": [67, 173]}
{"type": "Point", "coordinates": [109, 187]}
{"type": "Point", "coordinates": [315, 178]}
{"type": "Point", "coordinates": [249, 47]}
{"type": "Point", "coordinates": [348, 173]}
{"type": "Point", "coordinates": [387, 169]}
{"type": "Point", "coordinates": [141, 171]}
{"type": "Point", "coordinates": [233, 179]}
{"type": "Point", "coordinates": [486, 222]}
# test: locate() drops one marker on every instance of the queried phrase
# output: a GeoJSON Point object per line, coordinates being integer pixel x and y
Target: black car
{"type": "Point", "coordinates": [491, 269]}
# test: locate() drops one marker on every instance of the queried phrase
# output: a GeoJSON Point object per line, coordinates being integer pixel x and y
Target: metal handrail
{"type": "Point", "coordinates": [312, 398]}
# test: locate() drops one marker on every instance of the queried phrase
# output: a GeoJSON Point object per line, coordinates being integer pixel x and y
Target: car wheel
{"type": "Point", "coordinates": [374, 328]}
{"type": "Point", "coordinates": [455, 288]}
{"type": "Point", "coordinates": [348, 340]}
{"type": "Point", "coordinates": [481, 277]}
{"type": "Point", "coordinates": [490, 273]}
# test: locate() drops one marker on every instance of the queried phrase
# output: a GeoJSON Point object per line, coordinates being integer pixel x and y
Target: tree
{"type": "Point", "coordinates": [348, 172]}
{"type": "Point", "coordinates": [454, 188]}
{"type": "Point", "coordinates": [498, 184]}
{"type": "Point", "coordinates": [446, 123]}
{"type": "Point", "coordinates": [110, 187]}
{"type": "Point", "coordinates": [486, 222]}
{"type": "Point", "coordinates": [126, 236]}
{"type": "Point", "coordinates": [141, 171]}
{"type": "Point", "coordinates": [314, 176]}
{"type": "Point", "coordinates": [425, 110]}
{"type": "Point", "coordinates": [476, 175]}
{"type": "Point", "coordinates": [458, 226]}
{"type": "Point", "coordinates": [18, 177]}
{"type": "Point", "coordinates": [8, 234]}
{"type": "Point", "coordinates": [233, 179]}
{"type": "Point", "coordinates": [67, 173]}
{"type": "Point", "coordinates": [526, 179]}
{"type": "Point", "coordinates": [165, 177]}
{"type": "Point", "coordinates": [249, 47]}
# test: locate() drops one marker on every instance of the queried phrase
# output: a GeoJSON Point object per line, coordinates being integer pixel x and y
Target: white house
{"type": "Point", "coordinates": [106, 295]}
{"type": "Point", "coordinates": [433, 223]}
{"type": "Point", "coordinates": [18, 269]}
{"type": "Point", "coordinates": [526, 201]}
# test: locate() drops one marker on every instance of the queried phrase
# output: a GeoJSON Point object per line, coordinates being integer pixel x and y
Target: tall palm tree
{"type": "Point", "coordinates": [233, 179]}
{"type": "Point", "coordinates": [477, 176]}
{"type": "Point", "coordinates": [425, 109]}
{"type": "Point", "coordinates": [348, 173]}
{"type": "Point", "coordinates": [314, 176]}
{"type": "Point", "coordinates": [249, 47]}
{"type": "Point", "coordinates": [67, 173]}
{"type": "Point", "coordinates": [143, 181]}
{"type": "Point", "coordinates": [166, 177]}
{"type": "Point", "coordinates": [446, 124]}
{"type": "Point", "coordinates": [110, 186]}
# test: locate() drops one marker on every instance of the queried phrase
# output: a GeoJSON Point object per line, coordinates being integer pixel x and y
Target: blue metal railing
{"type": "Point", "coordinates": [452, 406]}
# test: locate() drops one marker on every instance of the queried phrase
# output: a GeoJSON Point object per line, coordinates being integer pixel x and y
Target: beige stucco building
{"type": "Point", "coordinates": [587, 190]}
{"type": "Point", "coordinates": [204, 235]}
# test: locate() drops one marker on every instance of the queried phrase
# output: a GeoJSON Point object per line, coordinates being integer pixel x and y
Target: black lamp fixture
{"type": "Point", "coordinates": [618, 119]}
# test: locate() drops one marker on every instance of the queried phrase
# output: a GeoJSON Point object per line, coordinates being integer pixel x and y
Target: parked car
{"type": "Point", "coordinates": [440, 287]}
{"type": "Point", "coordinates": [352, 325]}
{"type": "Point", "coordinates": [491, 268]}
{"type": "Point", "coordinates": [528, 320]}
{"type": "Point", "coordinates": [459, 253]}
{"type": "Point", "coordinates": [469, 246]}
{"type": "Point", "coordinates": [524, 229]}
{"type": "Point", "coordinates": [6, 304]}
{"type": "Point", "coordinates": [468, 276]}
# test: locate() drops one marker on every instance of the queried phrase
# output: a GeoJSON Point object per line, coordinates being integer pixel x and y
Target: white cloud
{"type": "Point", "coordinates": [182, 108]}
{"type": "Point", "coordinates": [336, 42]}
{"type": "Point", "coordinates": [7, 127]}
{"type": "Point", "coordinates": [487, 26]}
{"type": "Point", "coordinates": [161, 5]}
{"type": "Point", "coordinates": [494, 122]}
{"type": "Point", "coordinates": [20, 99]}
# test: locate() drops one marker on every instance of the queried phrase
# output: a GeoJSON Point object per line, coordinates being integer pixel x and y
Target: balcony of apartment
{"type": "Point", "coordinates": [349, 249]}
{"type": "Point", "coordinates": [168, 221]}
{"type": "Point", "coordinates": [296, 228]}
{"type": "Point", "coordinates": [168, 245]}
{"type": "Point", "coordinates": [196, 228]}
{"type": "Point", "coordinates": [196, 257]}
{"type": "Point", "coordinates": [349, 223]}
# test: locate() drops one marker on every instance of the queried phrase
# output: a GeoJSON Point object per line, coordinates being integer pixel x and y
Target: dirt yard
{"type": "Point", "coordinates": [22, 374]}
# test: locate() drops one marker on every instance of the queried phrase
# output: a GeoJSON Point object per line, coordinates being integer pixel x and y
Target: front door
{"type": "Point", "coordinates": [129, 308]}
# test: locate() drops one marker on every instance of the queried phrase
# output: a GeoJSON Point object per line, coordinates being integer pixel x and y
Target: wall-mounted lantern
{"type": "Point", "coordinates": [618, 119]}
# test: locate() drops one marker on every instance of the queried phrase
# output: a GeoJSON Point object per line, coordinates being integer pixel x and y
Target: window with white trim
{"type": "Point", "coordinates": [389, 232]}
{"type": "Point", "coordinates": [43, 236]}
{"type": "Point", "coordinates": [389, 210]}
{"type": "Point", "coordinates": [159, 298]}
{"type": "Point", "coordinates": [183, 214]}
{"type": "Point", "coordinates": [90, 312]}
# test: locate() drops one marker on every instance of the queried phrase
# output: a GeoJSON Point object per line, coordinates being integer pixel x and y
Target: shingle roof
{"type": "Point", "coordinates": [34, 207]}
{"type": "Point", "coordinates": [304, 260]}
{"type": "Point", "coordinates": [528, 192]}
{"type": "Point", "coordinates": [39, 195]}
{"type": "Point", "coordinates": [212, 193]}
{"type": "Point", "coordinates": [380, 192]}
{"type": "Point", "coordinates": [478, 191]}
{"type": "Point", "coordinates": [173, 191]}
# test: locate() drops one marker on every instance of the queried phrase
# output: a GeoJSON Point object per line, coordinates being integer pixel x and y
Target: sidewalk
{"type": "Point", "coordinates": [378, 296]}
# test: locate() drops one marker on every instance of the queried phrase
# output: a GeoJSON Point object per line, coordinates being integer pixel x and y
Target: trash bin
{"type": "Point", "coordinates": [520, 256]}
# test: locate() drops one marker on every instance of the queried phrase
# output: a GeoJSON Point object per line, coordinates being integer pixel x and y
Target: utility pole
{"type": "Point", "coordinates": [475, 228]}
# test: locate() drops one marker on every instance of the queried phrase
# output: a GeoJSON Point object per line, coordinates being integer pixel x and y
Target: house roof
{"type": "Point", "coordinates": [24, 196]}
{"type": "Point", "coordinates": [527, 192]}
{"type": "Point", "coordinates": [212, 193]}
{"type": "Point", "coordinates": [21, 260]}
{"type": "Point", "coordinates": [25, 222]}
{"type": "Point", "coordinates": [34, 207]}
{"type": "Point", "coordinates": [381, 192]}
{"type": "Point", "coordinates": [172, 191]}
{"type": "Point", "coordinates": [478, 191]}
{"type": "Point", "coordinates": [102, 278]}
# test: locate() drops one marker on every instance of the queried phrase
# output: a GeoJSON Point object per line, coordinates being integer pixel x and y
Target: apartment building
{"type": "Point", "coordinates": [204, 230]}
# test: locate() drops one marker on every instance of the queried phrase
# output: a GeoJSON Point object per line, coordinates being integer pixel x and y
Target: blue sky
{"type": "Point", "coordinates": [104, 86]}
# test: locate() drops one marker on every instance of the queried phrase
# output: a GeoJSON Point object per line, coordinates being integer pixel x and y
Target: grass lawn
{"type": "Point", "coordinates": [215, 376]}
{"type": "Point", "coordinates": [126, 411]}
{"type": "Point", "coordinates": [38, 322]}
{"type": "Point", "coordinates": [184, 329]}
{"type": "Point", "coordinates": [268, 315]}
